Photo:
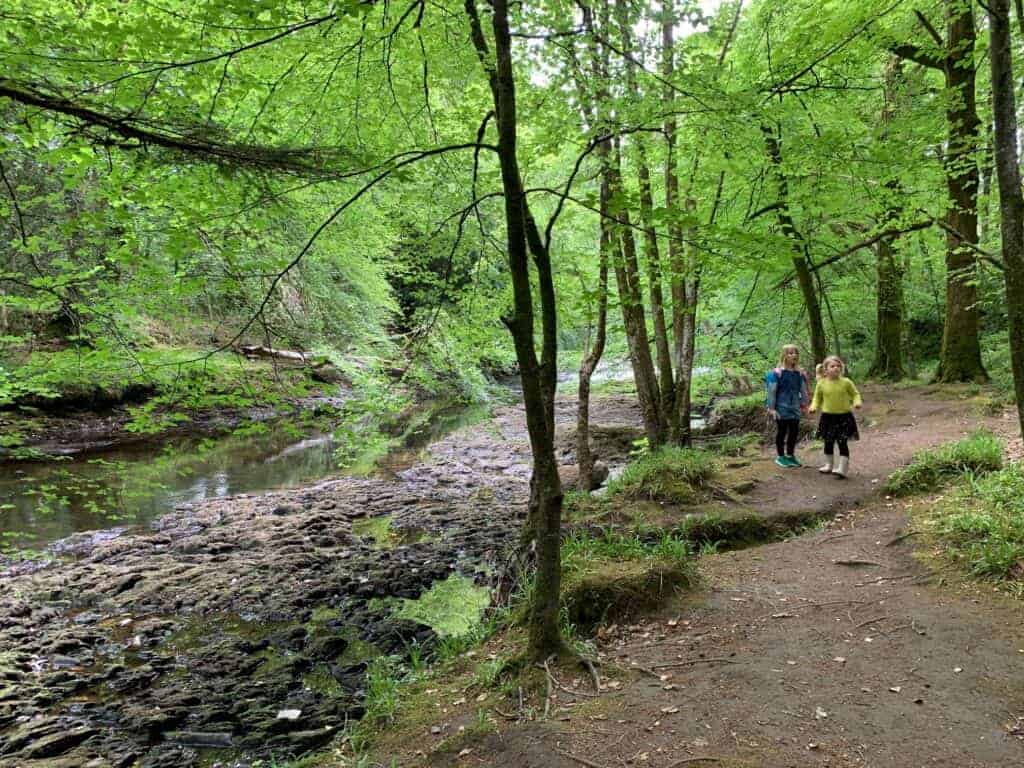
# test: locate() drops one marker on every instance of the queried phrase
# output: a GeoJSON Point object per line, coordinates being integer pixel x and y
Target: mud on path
{"type": "Point", "coordinates": [834, 648]}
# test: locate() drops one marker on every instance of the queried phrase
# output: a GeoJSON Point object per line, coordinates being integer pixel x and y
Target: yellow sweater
{"type": "Point", "coordinates": [835, 396]}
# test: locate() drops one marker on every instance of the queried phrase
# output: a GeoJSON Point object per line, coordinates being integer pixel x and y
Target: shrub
{"type": "Point", "coordinates": [981, 452]}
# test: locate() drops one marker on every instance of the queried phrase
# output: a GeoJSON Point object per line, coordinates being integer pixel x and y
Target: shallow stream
{"type": "Point", "coordinates": [42, 502]}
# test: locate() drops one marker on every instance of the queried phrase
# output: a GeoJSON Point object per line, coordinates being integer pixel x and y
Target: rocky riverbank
{"type": "Point", "coordinates": [244, 625]}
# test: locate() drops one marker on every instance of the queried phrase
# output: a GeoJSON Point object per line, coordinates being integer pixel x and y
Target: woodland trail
{"type": "Point", "coordinates": [834, 648]}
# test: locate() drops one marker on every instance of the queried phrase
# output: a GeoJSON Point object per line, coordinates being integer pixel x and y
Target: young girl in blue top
{"type": "Point", "coordinates": [788, 393]}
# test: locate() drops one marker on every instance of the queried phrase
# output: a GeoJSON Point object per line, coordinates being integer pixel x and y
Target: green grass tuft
{"type": "Point", "coordinates": [982, 525]}
{"type": "Point", "coordinates": [610, 575]}
{"type": "Point", "coordinates": [675, 475]}
{"type": "Point", "coordinates": [981, 452]}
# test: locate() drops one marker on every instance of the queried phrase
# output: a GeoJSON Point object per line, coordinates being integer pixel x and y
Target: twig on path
{"type": "Point", "coordinates": [578, 759]}
{"type": "Point", "coordinates": [880, 579]}
{"type": "Point", "coordinates": [871, 621]}
{"type": "Point", "coordinates": [648, 670]}
{"type": "Point", "coordinates": [858, 562]}
{"type": "Point", "coordinates": [837, 536]}
{"type": "Point", "coordinates": [901, 537]}
{"type": "Point", "coordinates": [894, 629]}
{"type": "Point", "coordinates": [691, 662]}
{"type": "Point", "coordinates": [506, 715]}
{"type": "Point", "coordinates": [834, 602]}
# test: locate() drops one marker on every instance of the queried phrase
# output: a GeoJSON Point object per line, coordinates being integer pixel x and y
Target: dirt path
{"type": "Point", "coordinates": [835, 648]}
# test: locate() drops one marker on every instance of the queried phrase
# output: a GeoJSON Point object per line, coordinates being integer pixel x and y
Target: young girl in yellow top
{"type": "Point", "coordinates": [836, 396]}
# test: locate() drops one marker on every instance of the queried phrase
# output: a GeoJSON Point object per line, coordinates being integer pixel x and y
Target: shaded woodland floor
{"type": "Point", "coordinates": [839, 647]}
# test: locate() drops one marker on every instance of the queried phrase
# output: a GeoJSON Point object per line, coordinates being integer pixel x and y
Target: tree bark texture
{"type": "Point", "coordinates": [584, 456]}
{"type": "Point", "coordinates": [960, 358]}
{"type": "Point", "coordinates": [545, 516]}
{"type": "Point", "coordinates": [801, 262]}
{"type": "Point", "coordinates": [651, 252]}
{"type": "Point", "coordinates": [888, 362]}
{"type": "Point", "coordinates": [1011, 201]}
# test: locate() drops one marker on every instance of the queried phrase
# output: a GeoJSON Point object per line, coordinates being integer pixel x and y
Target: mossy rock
{"type": "Point", "coordinates": [615, 590]}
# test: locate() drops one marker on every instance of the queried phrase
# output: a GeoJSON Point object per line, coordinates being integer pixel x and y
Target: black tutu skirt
{"type": "Point", "coordinates": [837, 426]}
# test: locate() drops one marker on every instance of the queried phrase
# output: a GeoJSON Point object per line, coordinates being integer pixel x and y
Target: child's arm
{"type": "Point", "coordinates": [771, 387]}
{"type": "Point", "coordinates": [816, 401]}
{"type": "Point", "coordinates": [854, 394]}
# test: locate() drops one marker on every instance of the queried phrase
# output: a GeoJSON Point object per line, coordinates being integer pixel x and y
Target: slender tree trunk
{"type": "Point", "coordinates": [683, 281]}
{"type": "Point", "coordinates": [627, 274]}
{"type": "Point", "coordinates": [888, 362]}
{"type": "Point", "coordinates": [801, 260]}
{"type": "Point", "coordinates": [584, 458]}
{"type": "Point", "coordinates": [960, 358]}
{"type": "Point", "coordinates": [1011, 201]}
{"type": "Point", "coordinates": [651, 252]}
{"type": "Point", "coordinates": [627, 279]}
{"type": "Point", "coordinates": [545, 487]}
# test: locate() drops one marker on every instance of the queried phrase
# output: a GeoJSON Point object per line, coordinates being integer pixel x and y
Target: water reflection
{"type": "Point", "coordinates": [42, 502]}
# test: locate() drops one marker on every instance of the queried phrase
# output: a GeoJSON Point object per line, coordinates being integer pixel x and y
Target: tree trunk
{"type": "Point", "coordinates": [651, 253]}
{"type": "Point", "coordinates": [627, 279]}
{"type": "Point", "coordinates": [584, 458]}
{"type": "Point", "coordinates": [683, 282]}
{"type": "Point", "coordinates": [888, 362]}
{"type": "Point", "coordinates": [960, 358]}
{"type": "Point", "coordinates": [801, 260]}
{"type": "Point", "coordinates": [1011, 201]}
{"type": "Point", "coordinates": [545, 516]}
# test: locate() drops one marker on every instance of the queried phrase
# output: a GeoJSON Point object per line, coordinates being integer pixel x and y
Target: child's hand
{"type": "Point", "coordinates": [857, 406]}
{"type": "Point", "coordinates": [773, 413]}
{"type": "Point", "coordinates": [812, 409]}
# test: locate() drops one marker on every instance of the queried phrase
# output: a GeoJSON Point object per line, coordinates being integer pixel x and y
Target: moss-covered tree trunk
{"type": "Point", "coordinates": [1011, 201]}
{"type": "Point", "coordinates": [960, 356]}
{"type": "Point", "coordinates": [888, 362]}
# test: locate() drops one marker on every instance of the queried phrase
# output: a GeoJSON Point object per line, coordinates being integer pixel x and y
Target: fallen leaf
{"type": "Point", "coordinates": [820, 714]}
{"type": "Point", "coordinates": [896, 688]}
{"type": "Point", "coordinates": [669, 710]}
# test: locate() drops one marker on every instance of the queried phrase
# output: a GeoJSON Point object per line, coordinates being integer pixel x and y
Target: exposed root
{"type": "Point", "coordinates": [592, 669]}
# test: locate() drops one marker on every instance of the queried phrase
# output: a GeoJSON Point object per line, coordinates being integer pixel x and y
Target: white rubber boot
{"type": "Point", "coordinates": [843, 467]}
{"type": "Point", "coordinates": [827, 468]}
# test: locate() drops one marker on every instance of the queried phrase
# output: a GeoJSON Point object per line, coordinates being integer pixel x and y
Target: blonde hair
{"type": "Point", "coordinates": [819, 369]}
{"type": "Point", "coordinates": [786, 349]}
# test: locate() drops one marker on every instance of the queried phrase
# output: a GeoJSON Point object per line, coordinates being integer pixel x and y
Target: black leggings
{"type": "Point", "coordinates": [786, 435]}
{"type": "Point", "coordinates": [844, 449]}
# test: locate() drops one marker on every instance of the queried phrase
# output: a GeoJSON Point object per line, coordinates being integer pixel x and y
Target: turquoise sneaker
{"type": "Point", "coordinates": [794, 461]}
{"type": "Point", "coordinates": [783, 462]}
